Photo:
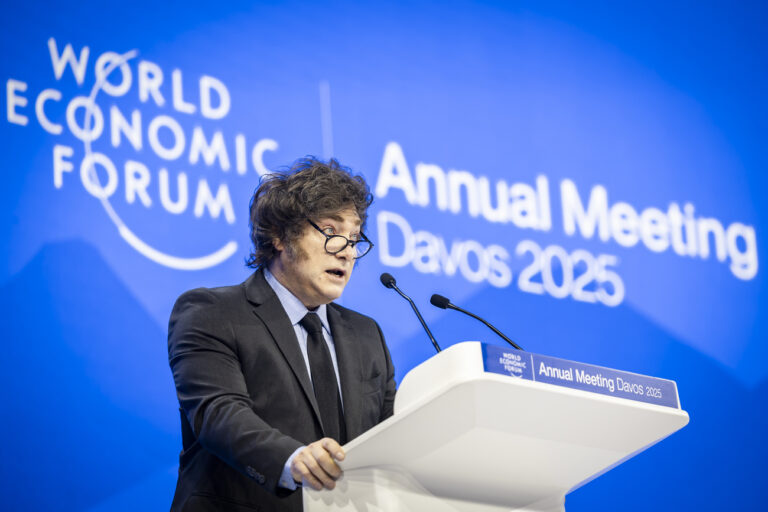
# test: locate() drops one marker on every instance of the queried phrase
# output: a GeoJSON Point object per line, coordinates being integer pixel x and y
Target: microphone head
{"type": "Point", "coordinates": [387, 280]}
{"type": "Point", "coordinates": [440, 301]}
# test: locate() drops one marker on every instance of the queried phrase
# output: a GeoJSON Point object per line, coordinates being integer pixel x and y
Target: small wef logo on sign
{"type": "Point", "coordinates": [128, 146]}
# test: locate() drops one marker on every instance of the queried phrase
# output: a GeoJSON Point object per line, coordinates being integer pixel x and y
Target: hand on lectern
{"type": "Point", "coordinates": [316, 464]}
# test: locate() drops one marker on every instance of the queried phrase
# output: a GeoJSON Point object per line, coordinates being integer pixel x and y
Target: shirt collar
{"type": "Point", "coordinates": [295, 309]}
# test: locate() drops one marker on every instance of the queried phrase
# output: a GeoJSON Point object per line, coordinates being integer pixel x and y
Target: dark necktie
{"type": "Point", "coordinates": [324, 379]}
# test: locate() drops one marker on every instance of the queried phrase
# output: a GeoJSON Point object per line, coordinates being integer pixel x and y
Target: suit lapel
{"type": "Point", "coordinates": [268, 308]}
{"type": "Point", "coordinates": [348, 358]}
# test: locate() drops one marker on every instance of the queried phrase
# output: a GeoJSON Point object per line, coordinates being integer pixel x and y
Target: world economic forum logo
{"type": "Point", "coordinates": [150, 146]}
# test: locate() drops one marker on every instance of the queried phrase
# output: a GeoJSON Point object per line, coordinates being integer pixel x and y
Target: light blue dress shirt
{"type": "Point", "coordinates": [296, 310]}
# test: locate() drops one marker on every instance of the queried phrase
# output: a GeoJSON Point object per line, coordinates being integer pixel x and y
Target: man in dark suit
{"type": "Point", "coordinates": [272, 377]}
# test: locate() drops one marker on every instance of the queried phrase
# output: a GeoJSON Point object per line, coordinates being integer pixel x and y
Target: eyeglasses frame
{"type": "Point", "coordinates": [349, 242]}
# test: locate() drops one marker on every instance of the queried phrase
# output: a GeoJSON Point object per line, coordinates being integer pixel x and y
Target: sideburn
{"type": "Point", "coordinates": [296, 254]}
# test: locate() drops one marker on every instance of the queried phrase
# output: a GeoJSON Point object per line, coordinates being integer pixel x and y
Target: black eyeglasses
{"type": "Point", "coordinates": [334, 244]}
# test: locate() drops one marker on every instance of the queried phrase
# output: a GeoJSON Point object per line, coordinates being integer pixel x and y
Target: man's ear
{"type": "Point", "coordinates": [278, 245]}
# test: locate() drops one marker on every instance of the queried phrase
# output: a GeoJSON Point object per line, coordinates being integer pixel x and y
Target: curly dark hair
{"type": "Point", "coordinates": [309, 189]}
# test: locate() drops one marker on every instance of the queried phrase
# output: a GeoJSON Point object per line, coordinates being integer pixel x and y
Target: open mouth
{"type": "Point", "coordinates": [336, 272]}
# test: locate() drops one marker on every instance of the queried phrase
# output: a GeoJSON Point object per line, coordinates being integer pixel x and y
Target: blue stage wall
{"type": "Point", "coordinates": [588, 176]}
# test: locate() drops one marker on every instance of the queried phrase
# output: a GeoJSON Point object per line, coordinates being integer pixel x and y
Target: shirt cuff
{"type": "Point", "coordinates": [286, 478]}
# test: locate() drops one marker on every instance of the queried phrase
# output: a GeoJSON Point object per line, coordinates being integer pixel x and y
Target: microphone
{"type": "Point", "coordinates": [389, 281]}
{"type": "Point", "coordinates": [444, 303]}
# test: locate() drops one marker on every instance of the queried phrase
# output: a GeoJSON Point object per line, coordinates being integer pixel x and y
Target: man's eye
{"type": "Point", "coordinates": [329, 231]}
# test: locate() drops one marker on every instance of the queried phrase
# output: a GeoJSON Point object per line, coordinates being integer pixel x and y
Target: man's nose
{"type": "Point", "coordinates": [348, 253]}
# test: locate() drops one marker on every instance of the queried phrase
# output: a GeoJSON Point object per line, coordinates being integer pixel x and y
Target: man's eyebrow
{"type": "Point", "coordinates": [339, 218]}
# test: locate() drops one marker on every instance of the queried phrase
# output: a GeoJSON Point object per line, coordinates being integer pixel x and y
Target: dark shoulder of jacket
{"type": "Point", "coordinates": [220, 296]}
{"type": "Point", "coordinates": [209, 302]}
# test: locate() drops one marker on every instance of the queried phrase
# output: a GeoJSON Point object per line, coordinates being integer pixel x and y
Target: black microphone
{"type": "Point", "coordinates": [389, 281]}
{"type": "Point", "coordinates": [445, 303]}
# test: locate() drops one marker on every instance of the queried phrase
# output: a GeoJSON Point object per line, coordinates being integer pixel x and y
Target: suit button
{"type": "Point", "coordinates": [255, 475]}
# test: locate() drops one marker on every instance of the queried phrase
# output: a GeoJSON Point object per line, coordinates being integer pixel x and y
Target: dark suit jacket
{"type": "Point", "coordinates": [246, 399]}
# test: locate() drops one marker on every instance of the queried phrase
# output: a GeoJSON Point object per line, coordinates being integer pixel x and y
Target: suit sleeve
{"type": "Point", "coordinates": [203, 356]}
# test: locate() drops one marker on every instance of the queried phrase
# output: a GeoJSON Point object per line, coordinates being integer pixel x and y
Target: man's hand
{"type": "Point", "coordinates": [316, 464]}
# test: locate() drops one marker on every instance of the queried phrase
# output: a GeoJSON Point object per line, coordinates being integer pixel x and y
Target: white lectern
{"type": "Point", "coordinates": [479, 428]}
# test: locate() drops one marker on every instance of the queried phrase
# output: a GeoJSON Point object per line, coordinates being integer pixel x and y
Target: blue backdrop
{"type": "Point", "coordinates": [586, 176]}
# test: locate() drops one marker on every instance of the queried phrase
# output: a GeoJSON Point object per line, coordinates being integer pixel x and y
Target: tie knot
{"type": "Point", "coordinates": [311, 323]}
